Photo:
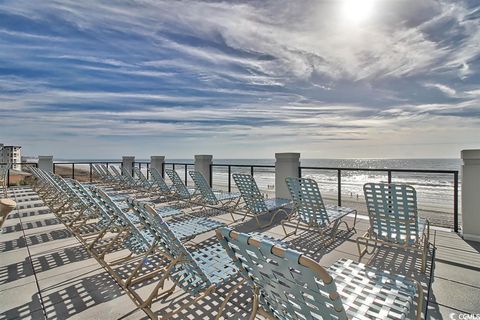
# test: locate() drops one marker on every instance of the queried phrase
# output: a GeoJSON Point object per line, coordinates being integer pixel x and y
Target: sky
{"type": "Point", "coordinates": [240, 79]}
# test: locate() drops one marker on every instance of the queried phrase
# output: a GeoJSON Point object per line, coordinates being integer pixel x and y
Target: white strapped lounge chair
{"type": "Point", "coordinates": [255, 204]}
{"type": "Point", "coordinates": [214, 199]}
{"type": "Point", "coordinates": [288, 285]}
{"type": "Point", "coordinates": [309, 209]}
{"type": "Point", "coordinates": [181, 190]}
{"type": "Point", "coordinates": [199, 271]}
{"type": "Point", "coordinates": [394, 220]}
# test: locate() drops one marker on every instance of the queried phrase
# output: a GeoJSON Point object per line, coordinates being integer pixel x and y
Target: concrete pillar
{"type": "Point", "coordinates": [157, 163]}
{"type": "Point", "coordinates": [45, 163]}
{"type": "Point", "coordinates": [127, 163]}
{"type": "Point", "coordinates": [286, 165]}
{"type": "Point", "coordinates": [471, 194]}
{"type": "Point", "coordinates": [202, 164]}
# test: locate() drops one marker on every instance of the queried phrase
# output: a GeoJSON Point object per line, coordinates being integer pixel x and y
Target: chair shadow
{"type": "Point", "coordinates": [35, 239]}
{"type": "Point", "coordinates": [399, 261]}
{"type": "Point", "coordinates": [57, 258]}
{"type": "Point", "coordinates": [70, 297]}
{"type": "Point", "coordinates": [312, 244]}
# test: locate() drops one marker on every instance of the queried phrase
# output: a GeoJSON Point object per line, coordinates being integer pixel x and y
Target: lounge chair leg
{"type": "Point", "coordinates": [161, 282]}
{"type": "Point", "coordinates": [366, 241]}
{"type": "Point", "coordinates": [139, 266]}
{"type": "Point", "coordinates": [294, 230]}
{"type": "Point", "coordinates": [253, 315]}
{"type": "Point", "coordinates": [227, 298]}
{"type": "Point", "coordinates": [203, 295]}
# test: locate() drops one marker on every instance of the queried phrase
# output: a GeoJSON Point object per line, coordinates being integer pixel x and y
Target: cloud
{"type": "Point", "coordinates": [288, 71]}
{"type": "Point", "coordinates": [450, 92]}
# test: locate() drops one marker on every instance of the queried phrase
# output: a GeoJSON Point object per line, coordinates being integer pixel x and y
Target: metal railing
{"type": "Point", "coordinates": [389, 172]}
{"type": "Point", "coordinates": [78, 163]}
{"type": "Point", "coordinates": [15, 164]}
{"type": "Point", "coordinates": [229, 170]}
{"type": "Point", "coordinates": [339, 171]}
{"type": "Point", "coordinates": [140, 164]}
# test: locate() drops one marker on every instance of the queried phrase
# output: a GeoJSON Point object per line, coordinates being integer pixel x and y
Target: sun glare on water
{"type": "Point", "coordinates": [357, 11]}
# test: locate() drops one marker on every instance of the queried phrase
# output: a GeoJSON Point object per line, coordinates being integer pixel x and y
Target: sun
{"type": "Point", "coordinates": [357, 11]}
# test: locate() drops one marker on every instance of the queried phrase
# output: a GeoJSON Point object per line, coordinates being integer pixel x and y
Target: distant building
{"type": "Point", "coordinates": [11, 154]}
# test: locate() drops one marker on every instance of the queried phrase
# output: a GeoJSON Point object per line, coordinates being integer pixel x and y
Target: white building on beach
{"type": "Point", "coordinates": [11, 154]}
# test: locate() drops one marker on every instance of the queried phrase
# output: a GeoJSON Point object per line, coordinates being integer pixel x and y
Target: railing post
{"type": "Point", "coordinates": [339, 186]}
{"type": "Point", "coordinates": [389, 176]}
{"type": "Point", "coordinates": [8, 178]}
{"type": "Point", "coordinates": [73, 170]}
{"type": "Point", "coordinates": [251, 171]}
{"type": "Point", "coordinates": [186, 174]}
{"type": "Point", "coordinates": [148, 170]}
{"type": "Point", "coordinates": [286, 165]}
{"type": "Point", "coordinates": [203, 165]}
{"type": "Point", "coordinates": [455, 202]}
{"type": "Point", "coordinates": [210, 179]}
{"type": "Point", "coordinates": [91, 178]}
{"type": "Point", "coordinates": [229, 178]}
{"type": "Point", "coordinates": [471, 194]}
{"type": "Point", "coordinates": [163, 170]}
{"type": "Point", "coordinates": [127, 163]}
{"type": "Point", "coordinates": [46, 163]}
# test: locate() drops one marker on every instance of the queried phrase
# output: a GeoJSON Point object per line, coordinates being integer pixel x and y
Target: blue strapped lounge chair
{"type": "Point", "coordinates": [394, 220]}
{"type": "Point", "coordinates": [111, 177]}
{"type": "Point", "coordinates": [198, 272]}
{"type": "Point", "coordinates": [255, 204]}
{"type": "Point", "coordinates": [309, 209]}
{"type": "Point", "coordinates": [214, 199]}
{"type": "Point", "coordinates": [182, 192]}
{"type": "Point", "coordinates": [160, 183]}
{"type": "Point", "coordinates": [99, 174]}
{"type": "Point", "coordinates": [143, 182]}
{"type": "Point", "coordinates": [129, 179]}
{"type": "Point", "coordinates": [288, 285]}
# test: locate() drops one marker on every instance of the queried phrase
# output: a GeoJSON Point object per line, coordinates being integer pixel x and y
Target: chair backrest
{"type": "Point", "coordinates": [392, 209]}
{"type": "Point", "coordinates": [202, 185]}
{"type": "Point", "coordinates": [128, 175]}
{"type": "Point", "coordinates": [100, 172]}
{"type": "Point", "coordinates": [182, 190]}
{"type": "Point", "coordinates": [104, 169]}
{"type": "Point", "coordinates": [307, 201]}
{"type": "Point", "coordinates": [77, 193]}
{"type": "Point", "coordinates": [86, 195]}
{"type": "Point", "coordinates": [159, 181]}
{"type": "Point", "coordinates": [96, 171]}
{"type": "Point", "coordinates": [116, 174]}
{"type": "Point", "coordinates": [250, 193]}
{"type": "Point", "coordinates": [188, 273]}
{"type": "Point", "coordinates": [291, 286]}
{"type": "Point", "coordinates": [108, 204]}
{"type": "Point", "coordinates": [139, 174]}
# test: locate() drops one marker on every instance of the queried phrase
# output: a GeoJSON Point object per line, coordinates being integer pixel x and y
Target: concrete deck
{"type": "Point", "coordinates": [46, 273]}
